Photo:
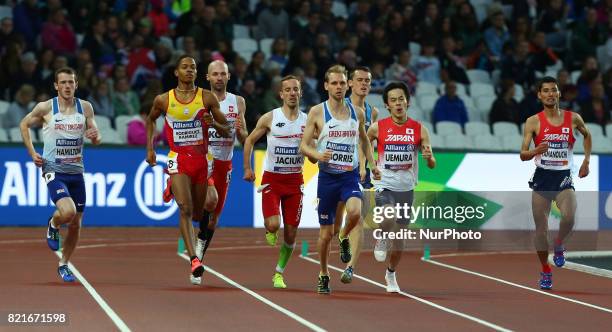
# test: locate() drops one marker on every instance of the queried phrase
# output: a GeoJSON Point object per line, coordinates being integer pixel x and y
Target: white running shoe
{"type": "Point", "coordinates": [199, 248]}
{"type": "Point", "coordinates": [380, 250]}
{"type": "Point", "coordinates": [392, 286]}
{"type": "Point", "coordinates": [194, 280]}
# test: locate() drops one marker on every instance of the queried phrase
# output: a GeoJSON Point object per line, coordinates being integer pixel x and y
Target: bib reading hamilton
{"type": "Point", "coordinates": [282, 155]}
{"type": "Point", "coordinates": [222, 148]}
{"type": "Point", "coordinates": [63, 140]}
{"type": "Point", "coordinates": [339, 136]}
{"type": "Point", "coordinates": [398, 147]}
{"type": "Point", "coordinates": [560, 143]}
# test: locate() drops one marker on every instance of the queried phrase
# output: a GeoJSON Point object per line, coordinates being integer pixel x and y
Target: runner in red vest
{"type": "Point", "coordinates": [552, 131]}
{"type": "Point", "coordinates": [399, 140]}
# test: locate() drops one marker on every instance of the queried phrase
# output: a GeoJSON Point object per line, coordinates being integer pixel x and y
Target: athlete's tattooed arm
{"type": "Point", "coordinates": [532, 125]}
{"type": "Point", "coordinates": [241, 129]}
{"type": "Point", "coordinates": [212, 104]}
{"type": "Point", "coordinates": [588, 143]}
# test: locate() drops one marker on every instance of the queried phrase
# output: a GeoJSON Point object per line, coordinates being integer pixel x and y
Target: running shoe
{"type": "Point", "coordinates": [559, 256]}
{"type": "Point", "coordinates": [199, 248]}
{"type": "Point", "coordinates": [392, 286]}
{"type": "Point", "coordinates": [323, 286]}
{"type": "Point", "coordinates": [65, 273]}
{"type": "Point", "coordinates": [168, 195]}
{"type": "Point", "coordinates": [380, 250]}
{"type": "Point", "coordinates": [347, 275]}
{"type": "Point", "coordinates": [195, 280]}
{"type": "Point", "coordinates": [345, 250]}
{"type": "Point", "coordinates": [197, 269]}
{"type": "Point", "coordinates": [53, 236]}
{"type": "Point", "coordinates": [278, 280]}
{"type": "Point", "coordinates": [271, 238]}
{"type": "Point", "coordinates": [546, 280]}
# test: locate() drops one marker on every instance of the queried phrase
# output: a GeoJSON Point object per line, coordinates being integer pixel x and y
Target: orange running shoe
{"type": "Point", "coordinates": [197, 269]}
{"type": "Point", "coordinates": [168, 195]}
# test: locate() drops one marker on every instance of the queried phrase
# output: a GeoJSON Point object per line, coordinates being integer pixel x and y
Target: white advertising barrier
{"type": "Point", "coordinates": [501, 178]}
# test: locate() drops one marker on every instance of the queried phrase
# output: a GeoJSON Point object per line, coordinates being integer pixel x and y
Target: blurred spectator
{"type": "Point", "coordinates": [27, 73]}
{"type": "Point", "coordinates": [597, 108]}
{"type": "Point", "coordinates": [279, 52]}
{"type": "Point", "coordinates": [7, 33]}
{"type": "Point", "coordinates": [256, 72]}
{"type": "Point", "coordinates": [347, 58]}
{"type": "Point", "coordinates": [519, 67]}
{"type": "Point", "coordinates": [28, 21]}
{"type": "Point", "coordinates": [466, 27]}
{"type": "Point", "coordinates": [453, 66]}
{"type": "Point", "coordinates": [189, 48]}
{"type": "Point", "coordinates": [154, 88]}
{"type": "Point", "coordinates": [45, 63]}
{"type": "Point", "coordinates": [530, 105]}
{"type": "Point", "coordinates": [589, 74]}
{"type": "Point", "coordinates": [449, 107]}
{"type": "Point", "coordinates": [339, 37]}
{"type": "Point", "coordinates": [505, 108]}
{"type": "Point", "coordinates": [159, 19]}
{"type": "Point", "coordinates": [137, 131]}
{"type": "Point", "coordinates": [569, 91]}
{"type": "Point", "coordinates": [328, 20]}
{"type": "Point", "coordinates": [542, 55]}
{"type": "Point", "coordinates": [429, 27]}
{"type": "Point", "coordinates": [20, 107]}
{"type": "Point", "coordinates": [378, 47]}
{"type": "Point", "coordinates": [101, 101]}
{"type": "Point", "coordinates": [379, 81]}
{"type": "Point", "coordinates": [587, 35]}
{"type": "Point", "coordinates": [88, 80]}
{"type": "Point", "coordinates": [10, 64]}
{"type": "Point", "coordinates": [310, 97]}
{"type": "Point", "coordinates": [496, 35]}
{"type": "Point", "coordinates": [141, 63]}
{"type": "Point", "coordinates": [125, 101]}
{"type": "Point", "coordinates": [175, 8]}
{"type": "Point", "coordinates": [238, 74]}
{"type": "Point", "coordinates": [427, 66]}
{"type": "Point", "coordinates": [522, 30]}
{"type": "Point", "coordinates": [271, 98]}
{"type": "Point", "coordinates": [224, 20]}
{"type": "Point", "coordinates": [189, 19]}
{"type": "Point", "coordinates": [300, 20]}
{"type": "Point", "coordinates": [100, 48]}
{"type": "Point", "coordinates": [60, 61]}
{"type": "Point", "coordinates": [252, 101]}
{"type": "Point", "coordinates": [313, 28]}
{"type": "Point", "coordinates": [402, 71]}
{"type": "Point", "coordinates": [552, 22]}
{"type": "Point", "coordinates": [397, 33]}
{"type": "Point", "coordinates": [273, 22]}
{"type": "Point", "coordinates": [57, 34]}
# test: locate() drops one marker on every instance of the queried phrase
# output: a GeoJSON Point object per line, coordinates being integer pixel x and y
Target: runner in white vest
{"type": "Point", "coordinates": [340, 126]}
{"type": "Point", "coordinates": [66, 121]}
{"type": "Point", "coordinates": [282, 184]}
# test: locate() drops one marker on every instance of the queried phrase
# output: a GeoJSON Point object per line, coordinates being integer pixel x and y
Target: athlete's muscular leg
{"type": "Point", "coordinates": [541, 209]}
{"type": "Point", "coordinates": [65, 211]}
{"type": "Point", "coordinates": [326, 232]}
{"type": "Point", "coordinates": [272, 225]}
{"type": "Point", "coordinates": [339, 220]}
{"type": "Point", "coordinates": [211, 199]}
{"type": "Point", "coordinates": [72, 238]}
{"type": "Point", "coordinates": [353, 215]}
{"type": "Point", "coordinates": [181, 188]}
{"type": "Point", "coordinates": [566, 202]}
{"type": "Point", "coordinates": [199, 193]}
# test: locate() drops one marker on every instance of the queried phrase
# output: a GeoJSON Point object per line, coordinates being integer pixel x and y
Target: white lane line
{"type": "Point", "coordinates": [158, 243]}
{"type": "Point", "coordinates": [486, 253]}
{"type": "Point", "coordinates": [275, 306]}
{"type": "Point", "coordinates": [452, 267]}
{"type": "Point", "coordinates": [107, 309]}
{"type": "Point", "coordinates": [416, 298]}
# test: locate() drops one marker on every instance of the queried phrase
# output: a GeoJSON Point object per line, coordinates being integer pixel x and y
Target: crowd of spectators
{"type": "Point", "coordinates": [124, 50]}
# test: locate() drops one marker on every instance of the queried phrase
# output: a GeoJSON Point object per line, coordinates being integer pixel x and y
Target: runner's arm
{"type": "Point", "coordinates": [530, 129]}
{"type": "Point", "coordinates": [91, 131]}
{"type": "Point", "coordinates": [262, 127]}
{"type": "Point", "coordinates": [588, 143]}
{"type": "Point", "coordinates": [426, 150]}
{"type": "Point", "coordinates": [34, 119]}
{"type": "Point", "coordinates": [158, 108]}
{"type": "Point", "coordinates": [306, 147]}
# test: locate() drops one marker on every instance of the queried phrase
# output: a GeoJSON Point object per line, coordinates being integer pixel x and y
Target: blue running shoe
{"type": "Point", "coordinates": [559, 256]}
{"type": "Point", "coordinates": [65, 273]}
{"type": "Point", "coordinates": [347, 275]}
{"type": "Point", "coordinates": [53, 236]}
{"type": "Point", "coordinates": [546, 280]}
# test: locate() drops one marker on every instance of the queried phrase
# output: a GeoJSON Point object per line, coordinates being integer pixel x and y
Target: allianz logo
{"type": "Point", "coordinates": [24, 186]}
